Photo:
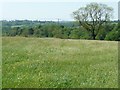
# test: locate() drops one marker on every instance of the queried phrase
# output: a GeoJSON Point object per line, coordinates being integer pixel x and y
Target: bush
{"type": "Point", "coordinates": [114, 35]}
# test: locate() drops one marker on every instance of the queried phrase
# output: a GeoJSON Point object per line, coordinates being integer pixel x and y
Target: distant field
{"type": "Point", "coordinates": [58, 63]}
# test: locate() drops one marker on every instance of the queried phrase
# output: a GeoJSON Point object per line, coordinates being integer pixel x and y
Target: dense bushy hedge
{"type": "Point", "coordinates": [114, 34]}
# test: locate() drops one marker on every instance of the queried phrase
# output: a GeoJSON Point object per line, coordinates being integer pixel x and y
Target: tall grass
{"type": "Point", "coordinates": [0, 62]}
{"type": "Point", "coordinates": [59, 63]}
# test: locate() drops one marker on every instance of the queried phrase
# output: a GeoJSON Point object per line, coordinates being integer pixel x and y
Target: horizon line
{"type": "Point", "coordinates": [42, 20]}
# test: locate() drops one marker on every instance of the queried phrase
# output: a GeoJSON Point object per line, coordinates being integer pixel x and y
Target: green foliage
{"type": "Point", "coordinates": [25, 32]}
{"type": "Point", "coordinates": [6, 30]}
{"type": "Point", "coordinates": [75, 34]}
{"type": "Point", "coordinates": [64, 30]}
{"type": "Point", "coordinates": [66, 33]}
{"type": "Point", "coordinates": [30, 31]}
{"type": "Point", "coordinates": [14, 31]}
{"type": "Point", "coordinates": [114, 35]}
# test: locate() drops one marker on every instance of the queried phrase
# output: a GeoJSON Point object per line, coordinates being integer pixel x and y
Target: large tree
{"type": "Point", "coordinates": [93, 16]}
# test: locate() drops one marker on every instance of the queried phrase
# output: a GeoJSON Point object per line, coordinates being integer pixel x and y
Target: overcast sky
{"type": "Point", "coordinates": [46, 9]}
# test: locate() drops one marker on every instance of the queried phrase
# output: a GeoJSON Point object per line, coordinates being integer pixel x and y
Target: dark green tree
{"type": "Point", "coordinates": [114, 35]}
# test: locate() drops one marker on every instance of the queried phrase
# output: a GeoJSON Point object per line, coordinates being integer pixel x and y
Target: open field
{"type": "Point", "coordinates": [55, 63]}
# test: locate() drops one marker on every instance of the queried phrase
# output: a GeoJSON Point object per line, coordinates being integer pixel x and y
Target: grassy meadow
{"type": "Point", "coordinates": [0, 63]}
{"type": "Point", "coordinates": [59, 63]}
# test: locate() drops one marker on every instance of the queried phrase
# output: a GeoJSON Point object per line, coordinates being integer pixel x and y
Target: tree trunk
{"type": "Point", "coordinates": [93, 37]}
{"type": "Point", "coordinates": [93, 34]}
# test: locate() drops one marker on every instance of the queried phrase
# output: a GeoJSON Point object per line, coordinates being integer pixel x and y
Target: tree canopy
{"type": "Point", "coordinates": [93, 16]}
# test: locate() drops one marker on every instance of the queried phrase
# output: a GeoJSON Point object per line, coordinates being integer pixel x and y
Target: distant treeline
{"type": "Point", "coordinates": [64, 30]}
